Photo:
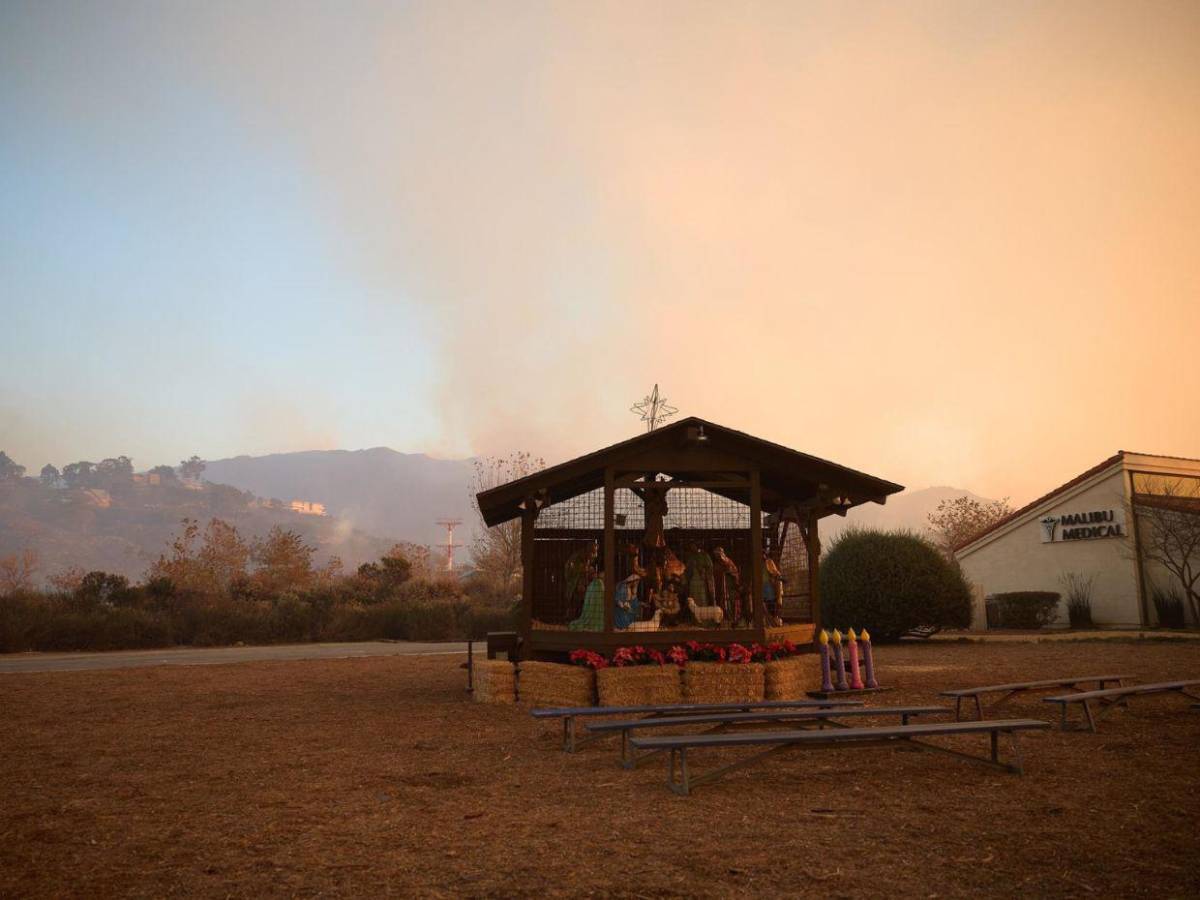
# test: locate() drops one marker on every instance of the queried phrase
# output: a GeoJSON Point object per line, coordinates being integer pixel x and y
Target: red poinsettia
{"type": "Point", "coordinates": [738, 654]}
{"type": "Point", "coordinates": [588, 659]}
{"type": "Point", "coordinates": [678, 655]}
{"type": "Point", "coordinates": [637, 656]}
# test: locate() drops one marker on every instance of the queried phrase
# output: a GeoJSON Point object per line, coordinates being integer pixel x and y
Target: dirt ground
{"type": "Point", "coordinates": [379, 776]}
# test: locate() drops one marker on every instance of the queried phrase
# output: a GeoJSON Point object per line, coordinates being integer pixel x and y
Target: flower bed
{"type": "Point", "coordinates": [555, 684]}
{"type": "Point", "coordinates": [495, 681]}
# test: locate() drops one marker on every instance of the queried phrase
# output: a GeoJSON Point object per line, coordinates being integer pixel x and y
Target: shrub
{"type": "Point", "coordinates": [1026, 609]}
{"type": "Point", "coordinates": [1168, 603]}
{"type": "Point", "coordinates": [1079, 598]}
{"type": "Point", "coordinates": [891, 582]}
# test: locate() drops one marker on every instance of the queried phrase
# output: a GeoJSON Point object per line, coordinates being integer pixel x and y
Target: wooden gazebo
{"type": "Point", "coordinates": [693, 531]}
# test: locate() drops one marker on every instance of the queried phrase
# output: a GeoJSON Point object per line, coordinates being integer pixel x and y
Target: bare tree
{"type": "Point", "coordinates": [17, 570]}
{"type": "Point", "coordinates": [956, 521]}
{"type": "Point", "coordinates": [496, 552]}
{"type": "Point", "coordinates": [1168, 532]}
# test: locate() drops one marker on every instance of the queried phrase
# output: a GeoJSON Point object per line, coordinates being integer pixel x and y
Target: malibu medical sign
{"type": "Point", "coordinates": [1083, 526]}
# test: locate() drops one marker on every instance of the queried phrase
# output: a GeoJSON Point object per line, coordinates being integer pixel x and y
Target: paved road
{"type": "Point", "coordinates": [211, 656]}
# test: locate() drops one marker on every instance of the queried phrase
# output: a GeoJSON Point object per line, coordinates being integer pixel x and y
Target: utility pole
{"type": "Point", "coordinates": [450, 525]}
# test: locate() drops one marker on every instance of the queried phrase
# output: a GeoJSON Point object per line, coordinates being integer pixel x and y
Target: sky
{"type": "Point", "coordinates": [945, 243]}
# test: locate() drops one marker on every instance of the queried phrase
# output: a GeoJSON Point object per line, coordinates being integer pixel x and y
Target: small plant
{"type": "Point", "coordinates": [636, 656]}
{"type": "Point", "coordinates": [1078, 588]}
{"type": "Point", "coordinates": [589, 659]}
{"type": "Point", "coordinates": [1168, 603]}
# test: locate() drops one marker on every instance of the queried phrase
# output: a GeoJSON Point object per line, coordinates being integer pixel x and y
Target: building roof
{"type": "Point", "coordinates": [786, 475]}
{"type": "Point", "coordinates": [1118, 457]}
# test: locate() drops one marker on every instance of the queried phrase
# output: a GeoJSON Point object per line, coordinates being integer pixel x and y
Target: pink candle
{"type": "Point", "coordinates": [839, 662]}
{"type": "Point", "coordinates": [868, 659]}
{"type": "Point", "coordinates": [856, 681]}
{"type": "Point", "coordinates": [826, 680]}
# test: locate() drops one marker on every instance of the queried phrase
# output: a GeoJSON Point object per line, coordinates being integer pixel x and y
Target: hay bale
{"type": "Point", "coordinates": [792, 678]}
{"type": "Point", "coordinates": [555, 684]}
{"type": "Point", "coordinates": [495, 681]}
{"type": "Point", "coordinates": [638, 686]}
{"type": "Point", "coordinates": [716, 682]}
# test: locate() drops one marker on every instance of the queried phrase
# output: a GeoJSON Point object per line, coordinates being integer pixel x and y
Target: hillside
{"type": "Point", "coordinates": [907, 510]}
{"type": "Point", "coordinates": [125, 526]}
{"type": "Point", "coordinates": [378, 490]}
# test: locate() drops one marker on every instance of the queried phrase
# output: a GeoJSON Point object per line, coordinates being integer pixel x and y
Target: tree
{"type": "Point", "coordinates": [213, 568]}
{"type": "Point", "coordinates": [165, 474]}
{"type": "Point", "coordinates": [496, 552]}
{"type": "Point", "coordinates": [283, 561]}
{"type": "Point", "coordinates": [17, 570]}
{"type": "Point", "coordinates": [118, 468]}
{"type": "Point", "coordinates": [192, 468]}
{"type": "Point", "coordinates": [1168, 530]}
{"type": "Point", "coordinates": [50, 476]}
{"type": "Point", "coordinates": [9, 470]}
{"type": "Point", "coordinates": [956, 521]}
{"type": "Point", "coordinates": [78, 474]}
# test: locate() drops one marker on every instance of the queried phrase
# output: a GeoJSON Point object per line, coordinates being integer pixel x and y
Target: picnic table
{"type": "Point", "coordinates": [1021, 687]}
{"type": "Point", "coordinates": [721, 722]}
{"type": "Point", "coordinates": [1116, 697]}
{"type": "Point", "coordinates": [681, 780]}
{"type": "Point", "coordinates": [569, 714]}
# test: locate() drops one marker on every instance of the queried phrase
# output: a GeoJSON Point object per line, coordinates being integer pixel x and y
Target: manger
{"type": "Point", "coordinates": [692, 531]}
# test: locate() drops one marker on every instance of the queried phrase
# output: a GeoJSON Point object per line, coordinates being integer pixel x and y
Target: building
{"type": "Point", "coordinates": [1099, 524]}
{"type": "Point", "coordinates": [308, 508]}
{"type": "Point", "coordinates": [692, 531]}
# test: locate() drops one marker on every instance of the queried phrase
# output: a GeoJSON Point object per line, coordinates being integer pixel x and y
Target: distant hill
{"type": "Point", "coordinates": [378, 490]}
{"type": "Point", "coordinates": [906, 510]}
{"type": "Point", "coordinates": [123, 527]}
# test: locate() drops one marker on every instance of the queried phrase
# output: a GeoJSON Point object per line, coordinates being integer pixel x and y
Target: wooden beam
{"type": "Point", "coordinates": [813, 542]}
{"type": "Point", "coordinates": [756, 548]}
{"type": "Point", "coordinates": [610, 550]}
{"type": "Point", "coordinates": [528, 517]}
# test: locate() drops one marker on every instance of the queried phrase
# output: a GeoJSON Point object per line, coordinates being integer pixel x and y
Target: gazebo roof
{"type": "Point", "coordinates": [788, 477]}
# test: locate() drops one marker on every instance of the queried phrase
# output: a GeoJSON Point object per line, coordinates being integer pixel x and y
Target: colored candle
{"type": "Point", "coordinates": [868, 659]}
{"type": "Point", "coordinates": [856, 681]}
{"type": "Point", "coordinates": [839, 662]}
{"type": "Point", "coordinates": [826, 679]}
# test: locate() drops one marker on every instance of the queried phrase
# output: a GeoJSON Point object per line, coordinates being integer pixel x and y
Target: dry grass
{"type": "Point", "coordinates": [378, 776]}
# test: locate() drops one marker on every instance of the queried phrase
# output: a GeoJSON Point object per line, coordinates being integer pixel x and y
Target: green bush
{"type": "Point", "coordinates": [1026, 609]}
{"type": "Point", "coordinates": [891, 583]}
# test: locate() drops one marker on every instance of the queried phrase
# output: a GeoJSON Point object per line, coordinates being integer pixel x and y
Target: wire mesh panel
{"type": "Point", "coordinates": [682, 560]}
{"type": "Point", "coordinates": [793, 567]}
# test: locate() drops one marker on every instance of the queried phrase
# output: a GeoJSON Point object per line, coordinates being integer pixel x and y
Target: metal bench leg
{"type": "Point", "coordinates": [958, 709]}
{"type": "Point", "coordinates": [1018, 765]}
{"type": "Point", "coordinates": [995, 748]}
{"type": "Point", "coordinates": [679, 785]}
{"type": "Point", "coordinates": [978, 708]}
{"type": "Point", "coordinates": [569, 734]}
{"type": "Point", "coordinates": [1087, 711]}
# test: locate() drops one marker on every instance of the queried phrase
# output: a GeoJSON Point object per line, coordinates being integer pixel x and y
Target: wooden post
{"type": "Point", "coordinates": [610, 550]}
{"type": "Point", "coordinates": [756, 549]}
{"type": "Point", "coordinates": [528, 517]}
{"type": "Point", "coordinates": [1130, 490]}
{"type": "Point", "coordinates": [813, 544]}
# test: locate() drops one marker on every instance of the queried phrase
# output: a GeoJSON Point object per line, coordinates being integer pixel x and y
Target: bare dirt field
{"type": "Point", "coordinates": [379, 776]}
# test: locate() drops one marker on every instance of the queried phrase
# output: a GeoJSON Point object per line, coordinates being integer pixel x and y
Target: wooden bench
{"type": "Point", "coordinates": [1021, 687]}
{"type": "Point", "coordinates": [569, 714]}
{"type": "Point", "coordinates": [682, 781]}
{"type": "Point", "coordinates": [1116, 697]}
{"type": "Point", "coordinates": [720, 722]}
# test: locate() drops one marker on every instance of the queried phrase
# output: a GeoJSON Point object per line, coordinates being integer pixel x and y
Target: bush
{"type": "Point", "coordinates": [891, 583]}
{"type": "Point", "coordinates": [1079, 598]}
{"type": "Point", "coordinates": [1168, 603]}
{"type": "Point", "coordinates": [1026, 609]}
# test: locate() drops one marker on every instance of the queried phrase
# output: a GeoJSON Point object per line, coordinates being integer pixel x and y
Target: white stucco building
{"type": "Point", "coordinates": [1087, 526]}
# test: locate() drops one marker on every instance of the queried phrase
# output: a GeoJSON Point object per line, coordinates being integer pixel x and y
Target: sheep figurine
{"type": "Point", "coordinates": [649, 625]}
{"type": "Point", "coordinates": [706, 615]}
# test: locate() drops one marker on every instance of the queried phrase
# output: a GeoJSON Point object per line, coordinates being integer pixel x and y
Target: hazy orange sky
{"type": "Point", "coordinates": [947, 243]}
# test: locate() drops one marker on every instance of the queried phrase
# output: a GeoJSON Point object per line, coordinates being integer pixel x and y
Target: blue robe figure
{"type": "Point", "coordinates": [628, 607]}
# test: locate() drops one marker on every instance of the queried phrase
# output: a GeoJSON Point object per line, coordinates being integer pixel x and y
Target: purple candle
{"type": "Point", "coordinates": [868, 660]}
{"type": "Point", "coordinates": [839, 662]}
{"type": "Point", "coordinates": [826, 680]}
{"type": "Point", "coordinates": [856, 681]}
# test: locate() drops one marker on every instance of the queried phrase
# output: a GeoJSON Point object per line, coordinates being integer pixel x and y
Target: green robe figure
{"type": "Point", "coordinates": [578, 571]}
{"type": "Point", "coordinates": [592, 616]}
{"type": "Point", "coordinates": [699, 577]}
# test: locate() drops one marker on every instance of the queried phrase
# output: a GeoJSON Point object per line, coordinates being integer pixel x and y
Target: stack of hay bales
{"type": "Point", "coordinates": [791, 678]}
{"type": "Point", "coordinates": [651, 685]}
{"type": "Point", "coordinates": [718, 682]}
{"type": "Point", "coordinates": [495, 681]}
{"type": "Point", "coordinates": [556, 684]}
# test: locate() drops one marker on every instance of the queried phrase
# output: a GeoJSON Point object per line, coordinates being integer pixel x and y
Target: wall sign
{"type": "Point", "coordinates": [1083, 526]}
